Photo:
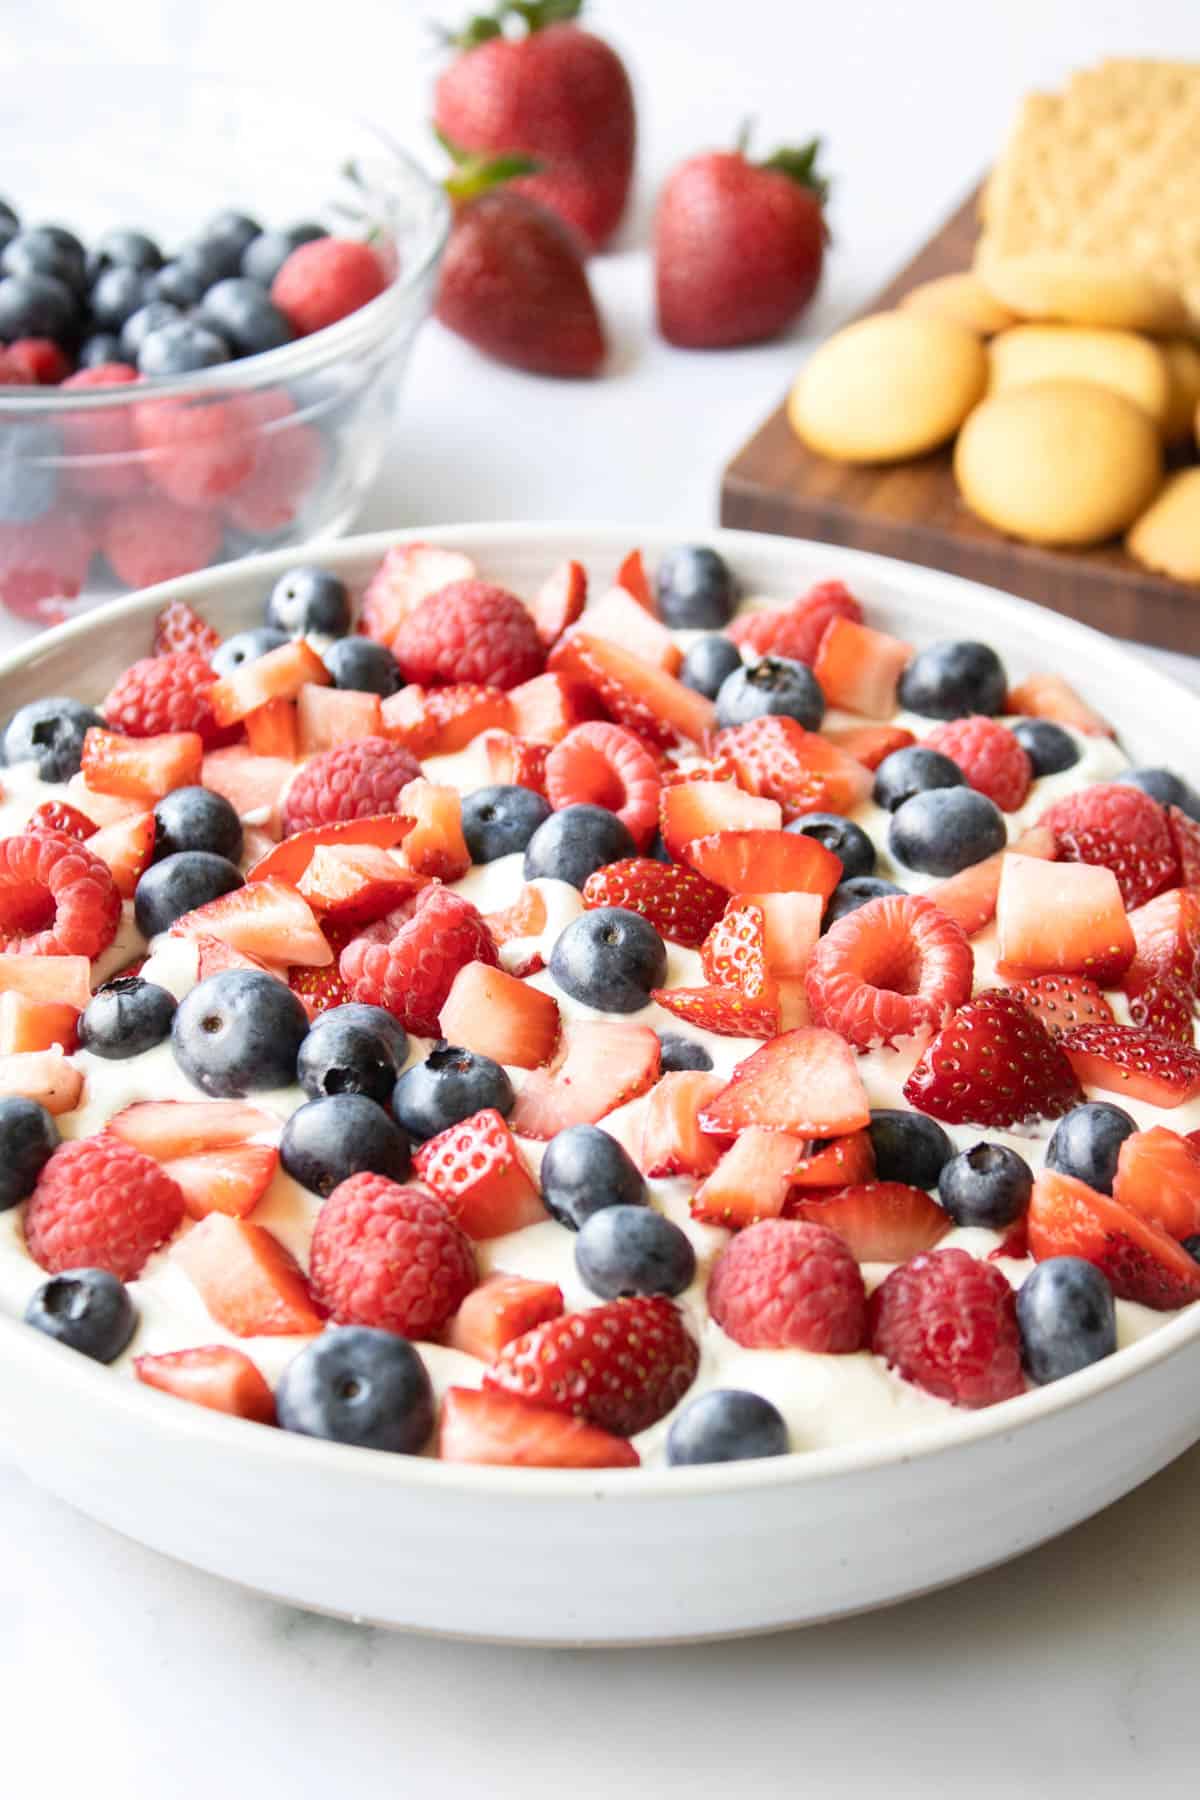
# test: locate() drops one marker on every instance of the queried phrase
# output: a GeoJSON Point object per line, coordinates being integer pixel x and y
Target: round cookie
{"type": "Point", "coordinates": [1183, 368]}
{"type": "Point", "coordinates": [1120, 360]}
{"type": "Point", "coordinates": [1167, 536]}
{"type": "Point", "coordinates": [963, 298]}
{"type": "Point", "coordinates": [890, 386]}
{"type": "Point", "coordinates": [1058, 462]}
{"type": "Point", "coordinates": [1058, 284]}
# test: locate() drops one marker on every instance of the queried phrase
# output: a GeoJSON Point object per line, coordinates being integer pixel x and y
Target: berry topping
{"type": "Point", "coordinates": [1120, 828]}
{"type": "Point", "coordinates": [680, 904]}
{"type": "Point", "coordinates": [486, 1426]}
{"type": "Point", "coordinates": [1062, 917]}
{"type": "Point", "coordinates": [952, 680]}
{"type": "Point", "coordinates": [600, 764]}
{"type": "Point", "coordinates": [499, 821]}
{"type": "Point", "coordinates": [352, 781]}
{"type": "Point", "coordinates": [125, 1017]}
{"type": "Point", "coordinates": [495, 1013]}
{"type": "Point", "coordinates": [327, 1141]}
{"type": "Point", "coordinates": [1158, 1177]}
{"type": "Point", "coordinates": [625, 1250]}
{"type": "Point", "coordinates": [99, 1203]}
{"type": "Point", "coordinates": [167, 692]}
{"type": "Point", "coordinates": [88, 1310]}
{"type": "Point", "coordinates": [949, 1324]}
{"type": "Point", "coordinates": [50, 734]}
{"type": "Point", "coordinates": [468, 631]}
{"type": "Point", "coordinates": [609, 959]}
{"type": "Point", "coordinates": [212, 1375]}
{"type": "Point", "coordinates": [600, 1064]}
{"type": "Point", "coordinates": [707, 662]}
{"type": "Point", "coordinates": [694, 588]}
{"type": "Point", "coordinates": [989, 756]}
{"type": "Point", "coordinates": [179, 628]}
{"type": "Point", "coordinates": [1123, 1060]}
{"type": "Point", "coordinates": [796, 631]}
{"type": "Point", "coordinates": [59, 815]}
{"type": "Point", "coordinates": [451, 1084]}
{"type": "Point", "coordinates": [726, 1012]}
{"type": "Point", "coordinates": [879, 1221]}
{"type": "Point", "coordinates": [1067, 1318]}
{"type": "Point", "coordinates": [726, 1425]}
{"type": "Point", "coordinates": [843, 839]}
{"type": "Point", "coordinates": [987, 1185]}
{"type": "Point", "coordinates": [637, 693]}
{"type": "Point", "coordinates": [1086, 1143]}
{"type": "Point", "coordinates": [945, 830]}
{"type": "Point", "coordinates": [784, 1284]}
{"type": "Point", "coordinates": [410, 974]}
{"type": "Point", "coordinates": [476, 1168]}
{"type": "Point", "coordinates": [993, 1064]}
{"type": "Point", "coordinates": [584, 1169]}
{"type": "Point", "coordinates": [806, 1083]}
{"type": "Point", "coordinates": [359, 1386]}
{"type": "Point", "coordinates": [772, 687]}
{"type": "Point", "coordinates": [352, 1050]}
{"type": "Point", "coordinates": [56, 897]}
{"type": "Point", "coordinates": [237, 1032]}
{"type": "Point", "coordinates": [389, 1256]}
{"type": "Point", "coordinates": [1050, 749]}
{"type": "Point", "coordinates": [1068, 1218]}
{"type": "Point", "coordinates": [1062, 1002]}
{"type": "Point", "coordinates": [777, 758]}
{"type": "Point", "coordinates": [572, 844]}
{"type": "Point", "coordinates": [888, 969]}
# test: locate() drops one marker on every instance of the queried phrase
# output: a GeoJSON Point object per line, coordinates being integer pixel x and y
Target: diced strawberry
{"type": "Point", "coordinates": [27, 1024]}
{"type": "Point", "coordinates": [458, 714]}
{"type": "Point", "coordinates": [993, 1064]}
{"type": "Point", "coordinates": [42, 1075]}
{"type": "Point", "coordinates": [1185, 835]}
{"type": "Point", "coordinates": [60, 815]}
{"type": "Point", "coordinates": [274, 730]}
{"type": "Point", "coordinates": [436, 846]}
{"type": "Point", "coordinates": [250, 783]}
{"type": "Point", "coordinates": [1166, 932]}
{"type": "Point", "coordinates": [777, 758]}
{"type": "Point", "coordinates": [752, 1180]}
{"type": "Point", "coordinates": [1160, 1004]}
{"type": "Point", "coordinates": [620, 619]}
{"type": "Point", "coordinates": [726, 1012]}
{"type": "Point", "coordinates": [408, 574]}
{"type": "Point", "coordinates": [796, 630]}
{"type": "Point", "coordinates": [858, 668]}
{"type": "Point", "coordinates": [525, 918]}
{"type": "Point", "coordinates": [288, 861]}
{"type": "Point", "coordinates": [672, 1141]}
{"type": "Point", "coordinates": [231, 1181]}
{"type": "Point", "coordinates": [695, 809]}
{"type": "Point", "coordinates": [769, 862]}
{"type": "Point", "coordinates": [267, 918]}
{"type": "Point", "coordinates": [1062, 1002]}
{"type": "Point", "coordinates": [970, 896]}
{"type": "Point", "coordinates": [212, 1375]}
{"type": "Point", "coordinates": [868, 744]}
{"type": "Point", "coordinates": [546, 707]}
{"type": "Point", "coordinates": [1158, 1177]}
{"type": "Point", "coordinates": [179, 627]}
{"type": "Point", "coordinates": [1048, 696]}
{"type": "Point", "coordinates": [881, 1221]}
{"type": "Point", "coordinates": [405, 719]}
{"type": "Point", "coordinates": [482, 1426]}
{"type": "Point", "coordinates": [633, 578]}
{"type": "Point", "coordinates": [327, 716]}
{"type": "Point", "coordinates": [559, 601]}
{"type": "Point", "coordinates": [734, 954]}
{"type": "Point", "coordinates": [103, 809]}
{"type": "Point", "coordinates": [841, 1162]}
{"type": "Point", "coordinates": [709, 768]}
{"type": "Point", "coordinates": [1062, 918]}
{"type": "Point", "coordinates": [601, 1064]}
{"type": "Point", "coordinates": [246, 1278]}
{"type": "Point", "coordinates": [279, 675]}
{"type": "Point", "coordinates": [168, 1129]}
{"type": "Point", "coordinates": [143, 769]}
{"type": "Point", "coordinates": [516, 762]}
{"type": "Point", "coordinates": [65, 979]}
{"type": "Point", "coordinates": [638, 694]}
{"type": "Point", "coordinates": [806, 1083]}
{"type": "Point", "coordinates": [1120, 1059]}
{"type": "Point", "coordinates": [496, 1015]}
{"type": "Point", "coordinates": [1117, 826]}
{"type": "Point", "coordinates": [1068, 1218]}
{"type": "Point", "coordinates": [500, 1309]}
{"type": "Point", "coordinates": [127, 848]}
{"type": "Point", "coordinates": [476, 1168]}
{"type": "Point", "coordinates": [791, 926]}
{"type": "Point", "coordinates": [356, 883]}
{"type": "Point", "coordinates": [213, 958]}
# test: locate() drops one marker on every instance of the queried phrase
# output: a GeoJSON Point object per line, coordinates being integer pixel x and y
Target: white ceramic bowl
{"type": "Point", "coordinates": [565, 1557]}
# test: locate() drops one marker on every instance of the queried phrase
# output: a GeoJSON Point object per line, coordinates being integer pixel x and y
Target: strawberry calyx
{"type": "Point", "coordinates": [474, 174]}
{"type": "Point", "coordinates": [482, 27]}
{"type": "Point", "coordinates": [797, 162]}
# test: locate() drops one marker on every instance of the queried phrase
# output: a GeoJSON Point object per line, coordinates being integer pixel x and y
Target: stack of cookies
{"type": "Point", "coordinates": [1066, 361]}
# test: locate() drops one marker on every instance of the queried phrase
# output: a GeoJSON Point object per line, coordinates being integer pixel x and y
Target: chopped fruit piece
{"type": "Point", "coordinates": [993, 1064]}
{"type": "Point", "coordinates": [99, 1203]}
{"type": "Point", "coordinates": [1159, 1004]}
{"type": "Point", "coordinates": [734, 954]}
{"type": "Point", "coordinates": [559, 601]}
{"type": "Point", "coordinates": [694, 809]}
{"type": "Point", "coordinates": [319, 989]}
{"type": "Point", "coordinates": [250, 783]}
{"type": "Point", "coordinates": [279, 675]}
{"type": "Point", "coordinates": [880, 1221]}
{"type": "Point", "coordinates": [620, 619]}
{"type": "Point", "coordinates": [525, 918]}
{"type": "Point", "coordinates": [498, 1016]}
{"type": "Point", "coordinates": [796, 630]}
{"type": "Point", "coordinates": [56, 897]}
{"type": "Point", "coordinates": [1063, 1001]}
{"type": "Point", "coordinates": [405, 719]}
{"type": "Point", "coordinates": [638, 694]}
{"type": "Point", "coordinates": [59, 815]}
{"type": "Point", "coordinates": [791, 926]}
{"type": "Point", "coordinates": [246, 1278]}
{"type": "Point", "coordinates": [1050, 697]}
{"type": "Point", "coordinates": [948, 1323]}
{"type": "Point", "coordinates": [778, 759]}
{"type": "Point", "coordinates": [476, 1168]}
{"type": "Point", "coordinates": [751, 1181]}
{"type": "Point", "coordinates": [126, 848]}
{"type": "Point", "coordinates": [267, 919]}
{"type": "Point", "coordinates": [328, 716]}
{"type": "Point", "coordinates": [868, 744]}
{"type": "Point", "coordinates": [65, 979]}
{"type": "Point", "coordinates": [892, 967]}
{"type": "Point", "coordinates": [785, 1285]}
{"type": "Point", "coordinates": [601, 1064]}
{"type": "Point", "coordinates": [605, 765]}
{"type": "Point", "coordinates": [288, 861]}
{"type": "Point", "coordinates": [42, 1075]}
{"type": "Point", "coordinates": [680, 904]}
{"type": "Point", "coordinates": [714, 768]}
{"type": "Point", "coordinates": [356, 883]}
{"type": "Point", "coordinates": [672, 1141]}
{"type": "Point", "coordinates": [1141, 1263]}
{"type": "Point", "coordinates": [858, 668]}
{"type": "Point", "coordinates": [990, 757]}
{"type": "Point", "coordinates": [970, 896]}
{"type": "Point", "coordinates": [458, 714]}
{"type": "Point", "coordinates": [104, 809]}
{"type": "Point", "coordinates": [408, 574]}
{"type": "Point", "coordinates": [212, 956]}
{"type": "Point", "coordinates": [842, 1162]}
{"type": "Point", "coordinates": [725, 1011]}
{"type": "Point", "coordinates": [142, 769]}
{"type": "Point", "coordinates": [1158, 1177]}
{"type": "Point", "coordinates": [177, 627]}
{"type": "Point", "coordinates": [1121, 1060]}
{"type": "Point", "coordinates": [806, 1083]}
{"type": "Point", "coordinates": [633, 578]}
{"type": "Point", "coordinates": [622, 1365]}
{"type": "Point", "coordinates": [213, 1375]}
{"type": "Point", "coordinates": [1063, 919]}
{"type": "Point", "coordinates": [36, 1024]}
{"type": "Point", "coordinates": [1185, 835]}
{"type": "Point", "coordinates": [1166, 932]}
{"type": "Point", "coordinates": [166, 1129]}
{"type": "Point", "coordinates": [231, 1181]}
{"type": "Point", "coordinates": [515, 761]}
{"type": "Point", "coordinates": [500, 1309]}
{"type": "Point", "coordinates": [1117, 826]}
{"type": "Point", "coordinates": [769, 862]}
{"type": "Point", "coordinates": [436, 846]}
{"type": "Point", "coordinates": [545, 708]}
{"type": "Point", "coordinates": [503, 1431]}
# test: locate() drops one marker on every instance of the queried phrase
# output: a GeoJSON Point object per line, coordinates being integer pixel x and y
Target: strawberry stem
{"type": "Point", "coordinates": [800, 166]}
{"type": "Point", "coordinates": [473, 174]}
{"type": "Point", "coordinates": [535, 15]}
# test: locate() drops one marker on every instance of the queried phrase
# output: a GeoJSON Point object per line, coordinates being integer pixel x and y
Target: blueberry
{"type": "Point", "coordinates": [355, 1385]}
{"type": "Point", "coordinates": [154, 316]}
{"type": "Point", "coordinates": [707, 662]}
{"type": "Point", "coordinates": [231, 233]}
{"type": "Point", "coordinates": [30, 453]}
{"type": "Point", "coordinates": [309, 599]}
{"type": "Point", "coordinates": [49, 733]}
{"type": "Point", "coordinates": [99, 348]}
{"type": "Point", "coordinates": [657, 851]}
{"type": "Point", "coordinates": [66, 240]}
{"type": "Point", "coordinates": [125, 1017]}
{"type": "Point", "coordinates": [1049, 748]}
{"type": "Point", "coordinates": [88, 1310]}
{"type": "Point", "coordinates": [633, 1250]}
{"type": "Point", "coordinates": [726, 1425]}
{"type": "Point", "coordinates": [125, 249]}
{"type": "Point", "coordinates": [36, 252]}
{"type": "Point", "coordinates": [35, 306]}
{"type": "Point", "coordinates": [1087, 1141]}
{"type": "Point", "coordinates": [584, 1171]}
{"type": "Point", "coordinates": [774, 686]}
{"type": "Point", "coordinates": [266, 254]}
{"type": "Point", "coordinates": [328, 1140]}
{"type": "Point", "coordinates": [244, 316]}
{"type": "Point", "coordinates": [1166, 787]}
{"type": "Point", "coordinates": [952, 679]}
{"type": "Point", "coordinates": [116, 295]}
{"type": "Point", "coordinates": [449, 1085]}
{"type": "Point", "coordinates": [352, 1049]}
{"type": "Point", "coordinates": [239, 1031]}
{"type": "Point", "coordinates": [575, 841]}
{"type": "Point", "coordinates": [1192, 1246]}
{"type": "Point", "coordinates": [497, 821]}
{"type": "Point", "coordinates": [180, 348]}
{"type": "Point", "coordinates": [179, 883]}
{"type": "Point", "coordinates": [944, 830]}
{"type": "Point", "coordinates": [245, 647]}
{"type": "Point", "coordinates": [694, 588]}
{"type": "Point", "coordinates": [196, 818]}
{"type": "Point", "coordinates": [9, 220]}
{"type": "Point", "coordinates": [609, 959]}
{"type": "Point", "coordinates": [849, 895]}
{"type": "Point", "coordinates": [183, 282]}
{"type": "Point", "coordinates": [682, 1053]}
{"type": "Point", "coordinates": [913, 770]}
{"type": "Point", "coordinates": [908, 1147]}
{"type": "Point", "coordinates": [987, 1185]}
{"type": "Point", "coordinates": [362, 664]}
{"type": "Point", "coordinates": [28, 1138]}
{"type": "Point", "coordinates": [848, 842]}
{"type": "Point", "coordinates": [1066, 1316]}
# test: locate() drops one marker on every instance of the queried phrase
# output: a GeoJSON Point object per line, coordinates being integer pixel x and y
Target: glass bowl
{"type": "Point", "coordinates": [114, 487]}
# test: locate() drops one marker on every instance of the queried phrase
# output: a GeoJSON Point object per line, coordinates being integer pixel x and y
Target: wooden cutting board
{"type": "Point", "coordinates": [912, 510]}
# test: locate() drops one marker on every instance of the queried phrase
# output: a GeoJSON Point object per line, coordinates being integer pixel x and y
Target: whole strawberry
{"type": "Point", "coordinates": [738, 246]}
{"type": "Point", "coordinates": [555, 93]}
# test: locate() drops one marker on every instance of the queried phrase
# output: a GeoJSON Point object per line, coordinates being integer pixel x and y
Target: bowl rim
{"type": "Point", "coordinates": [959, 1430]}
{"type": "Point", "coordinates": [288, 361]}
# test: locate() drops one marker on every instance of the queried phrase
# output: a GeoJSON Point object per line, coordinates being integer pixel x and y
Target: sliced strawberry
{"type": "Point", "coordinates": [525, 918]}
{"type": "Point", "coordinates": [694, 809]}
{"type": "Point", "coordinates": [27, 1024]}
{"type": "Point", "coordinates": [1048, 696]}
{"type": "Point", "coordinates": [858, 668]}
{"type": "Point", "coordinates": [993, 1064]}
{"type": "Point", "coordinates": [1117, 826]}
{"type": "Point", "coordinates": [672, 1141]}
{"type": "Point", "coordinates": [436, 846]}
{"type": "Point", "coordinates": [805, 1082]}
{"type": "Point", "coordinates": [1062, 918]}
{"type": "Point", "coordinates": [179, 627]}
{"type": "Point", "coordinates": [231, 1181]}
{"type": "Point", "coordinates": [42, 1075]}
{"type": "Point", "coordinates": [778, 759]}
{"type": "Point", "coordinates": [356, 883]}
{"type": "Point", "coordinates": [516, 762]}
{"type": "Point", "coordinates": [59, 815]}
{"type": "Point", "coordinates": [476, 1168]}
{"type": "Point", "coordinates": [842, 1162]}
{"type": "Point", "coordinates": [1158, 1177]}
{"type": "Point", "coordinates": [1068, 1218]}
{"type": "Point", "coordinates": [288, 861]}
{"type": "Point", "coordinates": [633, 578]}
{"type": "Point", "coordinates": [559, 601]}
{"type": "Point", "coordinates": [1119, 1059]}
{"type": "Point", "coordinates": [796, 630]}
{"type": "Point", "coordinates": [496, 1015]}
{"type": "Point", "coordinates": [408, 574]}
{"type": "Point", "coordinates": [1062, 1002]}
{"type": "Point", "coordinates": [167, 1129]}
{"type": "Point", "coordinates": [881, 1221]}
{"type": "Point", "coordinates": [678, 902]}
{"type": "Point", "coordinates": [546, 707]}
{"type": "Point", "coordinates": [637, 693]}
{"type": "Point", "coordinates": [102, 809]}
{"type": "Point", "coordinates": [482, 1426]}
{"type": "Point", "coordinates": [127, 848]}
{"type": "Point", "coordinates": [500, 1309]}
{"type": "Point", "coordinates": [246, 1278]}
{"type": "Point", "coordinates": [143, 769]}
{"type": "Point", "coordinates": [1166, 932]}
{"type": "Point", "coordinates": [212, 1375]}
{"type": "Point", "coordinates": [766, 862]}
{"type": "Point", "coordinates": [726, 1012]}
{"type": "Point", "coordinates": [708, 768]}
{"type": "Point", "coordinates": [751, 1181]}
{"type": "Point", "coordinates": [65, 979]}
{"type": "Point", "coordinates": [1185, 835]}
{"type": "Point", "coordinates": [620, 619]}
{"type": "Point", "coordinates": [319, 989]}
{"type": "Point", "coordinates": [328, 716]}
{"type": "Point", "coordinates": [868, 744]}
{"type": "Point", "coordinates": [734, 954]}
{"type": "Point", "coordinates": [970, 896]}
{"type": "Point", "coordinates": [251, 784]}
{"type": "Point", "coordinates": [266, 918]}
{"type": "Point", "coordinates": [279, 675]}
{"type": "Point", "coordinates": [274, 729]}
{"type": "Point", "coordinates": [1159, 1004]}
{"type": "Point", "coordinates": [601, 1064]}
{"type": "Point", "coordinates": [213, 957]}
{"type": "Point", "coordinates": [791, 927]}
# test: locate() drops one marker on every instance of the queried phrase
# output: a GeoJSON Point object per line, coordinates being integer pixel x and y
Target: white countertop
{"type": "Point", "coordinates": [1069, 1672]}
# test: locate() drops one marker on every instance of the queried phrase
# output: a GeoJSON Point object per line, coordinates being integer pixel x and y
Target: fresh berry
{"type": "Point", "coordinates": [678, 903]}
{"type": "Point", "coordinates": [842, 838]}
{"type": "Point", "coordinates": [56, 897]}
{"type": "Point", "coordinates": [469, 631]}
{"type": "Point", "coordinates": [777, 758]}
{"type": "Point", "coordinates": [694, 588]}
{"type": "Point", "coordinates": [945, 830]}
{"type": "Point", "coordinates": [243, 316]}
{"type": "Point", "coordinates": [49, 733]}
{"type": "Point", "coordinates": [993, 1064]}
{"type": "Point", "coordinates": [362, 666]}
{"type": "Point", "coordinates": [604, 765]}
{"type": "Point", "coordinates": [637, 693]}
{"type": "Point", "coordinates": [989, 756]}
{"type": "Point", "coordinates": [246, 647]}
{"type": "Point", "coordinates": [28, 1138]}
{"type": "Point", "coordinates": [858, 668]}
{"type": "Point", "coordinates": [476, 1168]}
{"type": "Point", "coordinates": [796, 631]}
{"type": "Point", "coordinates": [169, 1129]}
{"type": "Point", "coordinates": [408, 574]}
{"type": "Point", "coordinates": [238, 1032]}
{"type": "Point", "coordinates": [1122, 829]}
{"type": "Point", "coordinates": [438, 721]}
{"type": "Point", "coordinates": [88, 1310]}
{"type": "Point", "coordinates": [352, 1050]}
{"type": "Point", "coordinates": [59, 815]}
{"type": "Point", "coordinates": [125, 1017]}
{"type": "Point", "coordinates": [584, 1170]}
{"type": "Point", "coordinates": [805, 1082]}
{"type": "Point", "coordinates": [772, 687]}
{"type": "Point", "coordinates": [307, 599]}
{"type": "Point", "coordinates": [40, 360]}
{"type": "Point", "coordinates": [326, 1141]}
{"type": "Point", "coordinates": [559, 601]}
{"type": "Point", "coordinates": [143, 768]}
{"type": "Point", "coordinates": [726, 1425]}
{"type": "Point", "coordinates": [672, 1141]}
{"type": "Point", "coordinates": [34, 305]}
{"type": "Point", "coordinates": [764, 862]}
{"type": "Point", "coordinates": [499, 821]}
{"type": "Point", "coordinates": [1066, 1317]}
{"type": "Point", "coordinates": [573, 843]}
{"type": "Point", "coordinates": [878, 1221]}
{"type": "Point", "coordinates": [623, 1250]}
{"type": "Point", "coordinates": [260, 921]}
{"type": "Point", "coordinates": [545, 708]}
{"type": "Point", "coordinates": [915, 769]}
{"type": "Point", "coordinates": [734, 954]}
{"type": "Point", "coordinates": [213, 1375]}
{"type": "Point", "coordinates": [620, 619]}
{"type": "Point", "coordinates": [1141, 1263]}
{"type": "Point", "coordinates": [1165, 786]}
{"type": "Point", "coordinates": [485, 1426]}
{"type": "Point", "coordinates": [389, 1256]}
{"type": "Point", "coordinates": [494, 1013]}
{"type": "Point", "coordinates": [1158, 1177]}
{"type": "Point", "coordinates": [359, 1386]}
{"type": "Point", "coordinates": [725, 1012]}
{"type": "Point", "coordinates": [954, 679]}
{"type": "Point", "coordinates": [707, 662]}
{"type": "Point", "coordinates": [178, 885]}
{"type": "Point", "coordinates": [1166, 931]}
{"type": "Point", "coordinates": [696, 809]}
{"type": "Point", "coordinates": [970, 896]}
{"type": "Point", "coordinates": [609, 959]}
{"type": "Point", "coordinates": [325, 280]}
{"type": "Point", "coordinates": [1086, 1143]}
{"type": "Point", "coordinates": [501, 1308]}
{"type": "Point", "coordinates": [1050, 749]}
{"type": "Point", "coordinates": [849, 896]}
{"type": "Point", "coordinates": [1123, 1060]}
{"type": "Point", "coordinates": [44, 562]}
{"type": "Point", "coordinates": [1065, 918]}
{"type": "Point", "coordinates": [179, 347]}
{"type": "Point", "coordinates": [450, 1085]}
{"type": "Point", "coordinates": [99, 1203]}
{"type": "Point", "coordinates": [230, 1181]}
{"type": "Point", "coordinates": [353, 781]}
{"type": "Point", "coordinates": [33, 1025]}
{"type": "Point", "coordinates": [1159, 1004]}
{"type": "Point", "coordinates": [278, 675]}
{"type": "Point", "coordinates": [836, 1162]}
{"type": "Point", "coordinates": [785, 1284]}
{"type": "Point", "coordinates": [249, 1282]}
{"type": "Point", "coordinates": [988, 1185]}
{"type": "Point", "coordinates": [1047, 696]}
{"type": "Point", "coordinates": [869, 744]}
{"type": "Point", "coordinates": [948, 1323]}
{"type": "Point", "coordinates": [196, 818]}
{"type": "Point", "coordinates": [411, 974]}
{"type": "Point", "coordinates": [1185, 835]}
{"type": "Point", "coordinates": [600, 1064]}
{"type": "Point", "coordinates": [1062, 1002]}
{"type": "Point", "coordinates": [887, 970]}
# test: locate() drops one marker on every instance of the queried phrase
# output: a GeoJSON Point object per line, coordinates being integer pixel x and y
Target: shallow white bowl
{"type": "Point", "coordinates": [623, 1556]}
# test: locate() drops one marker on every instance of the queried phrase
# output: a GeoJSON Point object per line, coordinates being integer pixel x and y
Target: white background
{"type": "Point", "coordinates": [1073, 1671]}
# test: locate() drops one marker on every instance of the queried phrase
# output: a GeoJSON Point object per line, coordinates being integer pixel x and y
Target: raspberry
{"type": "Point", "coordinates": [43, 563]}
{"type": "Point", "coordinates": [389, 1256]}
{"type": "Point", "coordinates": [165, 693]}
{"type": "Point", "coordinates": [323, 281]}
{"type": "Point", "coordinates": [605, 765]}
{"type": "Point", "coordinates": [949, 1324]}
{"type": "Point", "coordinates": [39, 360]}
{"type": "Point", "coordinates": [886, 970]}
{"type": "Point", "coordinates": [797, 630]}
{"type": "Point", "coordinates": [196, 452]}
{"type": "Point", "coordinates": [469, 631]}
{"type": "Point", "coordinates": [56, 898]}
{"type": "Point", "coordinates": [1119, 827]}
{"type": "Point", "coordinates": [988, 755]}
{"type": "Point", "coordinates": [351, 781]}
{"type": "Point", "coordinates": [104, 433]}
{"type": "Point", "coordinates": [58, 815]}
{"type": "Point", "coordinates": [287, 466]}
{"type": "Point", "coordinates": [412, 973]}
{"type": "Point", "coordinates": [100, 1204]}
{"type": "Point", "coordinates": [150, 540]}
{"type": "Point", "coordinates": [177, 627]}
{"type": "Point", "coordinates": [783, 1284]}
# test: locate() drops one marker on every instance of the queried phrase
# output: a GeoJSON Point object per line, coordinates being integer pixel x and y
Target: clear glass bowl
{"type": "Point", "coordinates": [105, 488]}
